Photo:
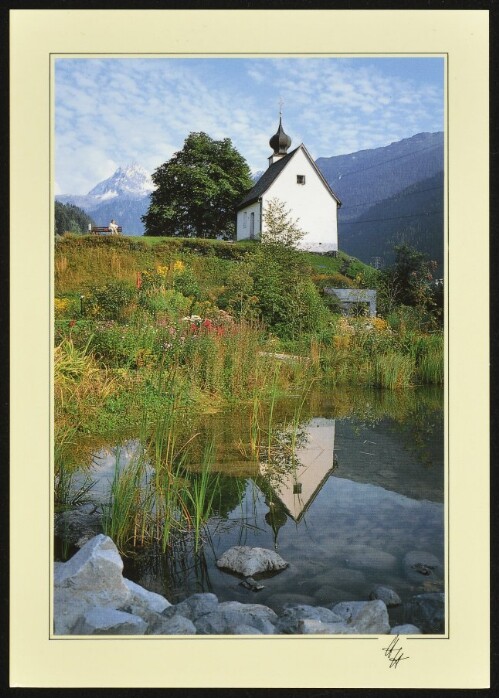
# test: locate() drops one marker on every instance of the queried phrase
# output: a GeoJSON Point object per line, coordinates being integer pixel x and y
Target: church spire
{"type": "Point", "coordinates": [280, 141]}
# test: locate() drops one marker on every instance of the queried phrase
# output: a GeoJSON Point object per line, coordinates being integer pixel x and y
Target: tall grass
{"type": "Point", "coordinates": [200, 494]}
{"type": "Point", "coordinates": [430, 359]}
{"type": "Point", "coordinates": [393, 370]}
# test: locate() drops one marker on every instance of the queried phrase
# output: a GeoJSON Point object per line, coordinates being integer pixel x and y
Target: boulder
{"type": "Point", "coordinates": [249, 561]}
{"type": "Point", "coordinates": [107, 621]}
{"type": "Point", "coordinates": [407, 629]}
{"type": "Point", "coordinates": [256, 615]}
{"type": "Point", "coordinates": [311, 626]}
{"type": "Point", "coordinates": [194, 607]}
{"type": "Point", "coordinates": [92, 577]}
{"type": "Point", "coordinates": [219, 623]}
{"type": "Point", "coordinates": [176, 625]}
{"type": "Point", "coordinates": [246, 630]}
{"type": "Point", "coordinates": [366, 617]}
{"type": "Point", "coordinates": [146, 599]}
{"type": "Point", "coordinates": [95, 567]}
{"type": "Point", "coordinates": [227, 618]}
{"type": "Point", "coordinates": [293, 614]}
{"type": "Point", "coordinates": [426, 611]}
{"type": "Point", "coordinates": [386, 594]}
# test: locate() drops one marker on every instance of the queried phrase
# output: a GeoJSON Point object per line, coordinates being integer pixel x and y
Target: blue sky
{"type": "Point", "coordinates": [116, 111]}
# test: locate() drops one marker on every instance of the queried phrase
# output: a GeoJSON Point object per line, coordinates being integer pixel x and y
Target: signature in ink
{"type": "Point", "coordinates": [393, 653]}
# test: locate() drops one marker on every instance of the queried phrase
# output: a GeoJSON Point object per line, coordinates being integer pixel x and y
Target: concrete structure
{"type": "Point", "coordinates": [294, 179]}
{"type": "Point", "coordinates": [349, 297]}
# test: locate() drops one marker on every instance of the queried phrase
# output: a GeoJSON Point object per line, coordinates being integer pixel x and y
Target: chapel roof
{"type": "Point", "coordinates": [271, 174]}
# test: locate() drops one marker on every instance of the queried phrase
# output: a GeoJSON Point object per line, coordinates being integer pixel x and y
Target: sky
{"type": "Point", "coordinates": [111, 112]}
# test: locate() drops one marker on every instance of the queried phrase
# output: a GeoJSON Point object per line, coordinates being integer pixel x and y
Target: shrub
{"type": "Point", "coordinates": [110, 301]}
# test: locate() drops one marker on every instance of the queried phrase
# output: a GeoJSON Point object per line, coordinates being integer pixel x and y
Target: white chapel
{"type": "Point", "coordinates": [294, 179]}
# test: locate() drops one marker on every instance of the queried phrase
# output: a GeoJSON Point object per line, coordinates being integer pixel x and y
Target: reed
{"type": "Point", "coordinates": [127, 514]}
{"type": "Point", "coordinates": [200, 494]}
{"type": "Point", "coordinates": [430, 360]}
{"type": "Point", "coordinates": [393, 370]}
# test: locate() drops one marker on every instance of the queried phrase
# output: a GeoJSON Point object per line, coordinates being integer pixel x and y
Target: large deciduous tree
{"type": "Point", "coordinates": [197, 190]}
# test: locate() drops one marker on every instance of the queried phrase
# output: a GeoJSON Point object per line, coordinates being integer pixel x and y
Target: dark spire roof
{"type": "Point", "coordinates": [280, 141]}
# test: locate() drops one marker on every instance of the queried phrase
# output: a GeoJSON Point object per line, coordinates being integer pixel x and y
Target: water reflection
{"type": "Point", "coordinates": [344, 492]}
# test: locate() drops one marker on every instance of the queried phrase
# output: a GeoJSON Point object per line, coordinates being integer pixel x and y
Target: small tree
{"type": "Point", "coordinates": [278, 226]}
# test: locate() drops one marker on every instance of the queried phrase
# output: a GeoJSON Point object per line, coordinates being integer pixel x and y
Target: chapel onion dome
{"type": "Point", "coordinates": [280, 141]}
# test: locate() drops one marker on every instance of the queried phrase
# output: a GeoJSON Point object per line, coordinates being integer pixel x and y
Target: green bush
{"type": "Point", "coordinates": [110, 301]}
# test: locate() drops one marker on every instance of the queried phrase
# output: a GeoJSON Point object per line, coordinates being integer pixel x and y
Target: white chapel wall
{"type": "Point", "coordinates": [310, 202]}
{"type": "Point", "coordinates": [243, 222]}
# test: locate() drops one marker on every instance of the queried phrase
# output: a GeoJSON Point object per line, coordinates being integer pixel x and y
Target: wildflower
{"type": "Point", "coordinates": [72, 323]}
{"type": "Point", "coordinates": [178, 266]}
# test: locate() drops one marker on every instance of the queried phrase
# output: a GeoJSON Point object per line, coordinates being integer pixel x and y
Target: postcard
{"type": "Point", "coordinates": [256, 420]}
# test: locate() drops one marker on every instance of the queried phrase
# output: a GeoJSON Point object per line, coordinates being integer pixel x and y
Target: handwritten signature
{"type": "Point", "coordinates": [393, 653]}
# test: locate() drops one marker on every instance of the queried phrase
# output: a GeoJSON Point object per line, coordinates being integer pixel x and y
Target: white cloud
{"type": "Point", "coordinates": [113, 111]}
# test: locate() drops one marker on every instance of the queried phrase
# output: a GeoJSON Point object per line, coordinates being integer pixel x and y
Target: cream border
{"type": "Point", "coordinates": [460, 661]}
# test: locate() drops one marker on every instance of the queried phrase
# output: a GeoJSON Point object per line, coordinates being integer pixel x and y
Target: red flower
{"type": "Point", "coordinates": [72, 323]}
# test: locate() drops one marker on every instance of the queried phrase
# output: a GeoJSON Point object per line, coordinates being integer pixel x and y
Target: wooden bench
{"type": "Point", "coordinates": [104, 231]}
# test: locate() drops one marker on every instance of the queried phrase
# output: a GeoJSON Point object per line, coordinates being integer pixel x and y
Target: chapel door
{"type": "Point", "coordinates": [252, 226]}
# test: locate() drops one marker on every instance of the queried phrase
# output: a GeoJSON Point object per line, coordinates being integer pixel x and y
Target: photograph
{"type": "Point", "coordinates": [249, 359]}
{"type": "Point", "coordinates": [249, 368]}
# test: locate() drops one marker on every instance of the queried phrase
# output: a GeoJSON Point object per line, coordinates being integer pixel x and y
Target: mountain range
{"type": "Point", "coordinates": [390, 195]}
{"type": "Point", "coordinates": [124, 196]}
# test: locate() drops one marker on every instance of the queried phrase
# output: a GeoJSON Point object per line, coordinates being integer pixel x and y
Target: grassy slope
{"type": "Point", "coordinates": [84, 261]}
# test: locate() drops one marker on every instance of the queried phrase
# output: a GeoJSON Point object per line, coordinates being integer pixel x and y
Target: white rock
{"type": "Point", "coordinates": [97, 566]}
{"type": "Point", "coordinates": [366, 617]}
{"type": "Point", "coordinates": [312, 626]}
{"type": "Point", "coordinates": [147, 599]}
{"type": "Point", "coordinates": [108, 621]}
{"type": "Point", "coordinates": [407, 629]}
{"type": "Point", "coordinates": [250, 561]}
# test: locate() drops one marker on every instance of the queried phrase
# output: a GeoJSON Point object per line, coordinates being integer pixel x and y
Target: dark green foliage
{"type": "Point", "coordinates": [198, 189]}
{"type": "Point", "coordinates": [71, 219]}
{"type": "Point", "coordinates": [410, 283]}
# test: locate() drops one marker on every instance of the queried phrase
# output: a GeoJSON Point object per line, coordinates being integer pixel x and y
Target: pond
{"type": "Point", "coordinates": [345, 485]}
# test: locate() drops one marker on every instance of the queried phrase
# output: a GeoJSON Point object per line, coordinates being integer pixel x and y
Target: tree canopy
{"type": "Point", "coordinates": [197, 190]}
{"type": "Point", "coordinates": [70, 219]}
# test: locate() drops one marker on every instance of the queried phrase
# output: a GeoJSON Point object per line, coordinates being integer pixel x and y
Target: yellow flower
{"type": "Point", "coordinates": [178, 266]}
{"type": "Point", "coordinates": [161, 270]}
{"type": "Point", "coordinates": [61, 305]}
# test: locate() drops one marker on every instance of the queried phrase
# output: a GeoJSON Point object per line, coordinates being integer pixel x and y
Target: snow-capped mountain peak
{"type": "Point", "coordinates": [131, 181]}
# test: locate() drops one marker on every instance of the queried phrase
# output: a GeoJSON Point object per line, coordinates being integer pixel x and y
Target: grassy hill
{"type": "Point", "coordinates": [86, 261]}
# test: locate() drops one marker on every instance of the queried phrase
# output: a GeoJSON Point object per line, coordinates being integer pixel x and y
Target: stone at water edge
{"type": "Point", "coordinates": [289, 622]}
{"type": "Point", "coordinates": [95, 567]}
{"type": "Point", "coordinates": [194, 606]}
{"type": "Point", "coordinates": [249, 561]}
{"type": "Point", "coordinates": [146, 599]}
{"type": "Point", "coordinates": [386, 594]}
{"type": "Point", "coordinates": [366, 617]}
{"type": "Point", "coordinates": [426, 611]}
{"type": "Point", "coordinates": [311, 626]}
{"type": "Point", "coordinates": [407, 629]}
{"type": "Point", "coordinates": [108, 621]}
